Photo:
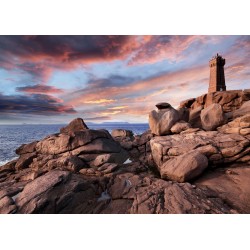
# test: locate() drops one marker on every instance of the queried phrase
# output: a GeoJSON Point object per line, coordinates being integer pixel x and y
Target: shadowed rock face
{"type": "Point", "coordinates": [194, 117]}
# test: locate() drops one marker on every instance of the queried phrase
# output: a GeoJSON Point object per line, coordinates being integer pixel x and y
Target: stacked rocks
{"type": "Point", "coordinates": [194, 159]}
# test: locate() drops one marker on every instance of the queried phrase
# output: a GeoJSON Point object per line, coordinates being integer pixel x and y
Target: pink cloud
{"type": "Point", "coordinates": [40, 89]}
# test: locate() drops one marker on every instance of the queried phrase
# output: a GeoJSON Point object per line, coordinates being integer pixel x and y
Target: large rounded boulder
{"type": "Point", "coordinates": [212, 117]}
{"type": "Point", "coordinates": [161, 121]}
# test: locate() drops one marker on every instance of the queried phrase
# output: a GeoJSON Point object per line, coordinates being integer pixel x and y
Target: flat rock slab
{"type": "Point", "coordinates": [231, 185]}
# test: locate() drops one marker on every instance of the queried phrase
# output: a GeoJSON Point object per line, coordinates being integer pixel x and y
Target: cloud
{"type": "Point", "coordinates": [99, 101]}
{"type": "Point", "coordinates": [134, 100]}
{"type": "Point", "coordinates": [185, 75]}
{"type": "Point", "coordinates": [118, 108]}
{"type": "Point", "coordinates": [40, 89]}
{"type": "Point", "coordinates": [63, 50]}
{"type": "Point", "coordinates": [111, 112]}
{"type": "Point", "coordinates": [158, 48]}
{"type": "Point", "coordinates": [36, 104]}
{"type": "Point", "coordinates": [237, 66]}
{"type": "Point", "coordinates": [162, 84]}
{"type": "Point", "coordinates": [39, 56]}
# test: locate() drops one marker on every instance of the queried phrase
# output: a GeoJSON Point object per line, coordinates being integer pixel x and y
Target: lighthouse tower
{"type": "Point", "coordinates": [217, 76]}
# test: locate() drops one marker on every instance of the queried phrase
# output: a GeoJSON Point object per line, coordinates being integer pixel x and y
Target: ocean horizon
{"type": "Point", "coordinates": [14, 135]}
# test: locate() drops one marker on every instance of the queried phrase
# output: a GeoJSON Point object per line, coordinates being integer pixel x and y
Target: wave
{"type": "Point", "coordinates": [6, 161]}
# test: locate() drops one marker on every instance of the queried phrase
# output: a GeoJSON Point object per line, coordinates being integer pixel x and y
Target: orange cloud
{"type": "Point", "coordinates": [160, 92]}
{"type": "Point", "coordinates": [118, 107]}
{"type": "Point", "coordinates": [111, 113]}
{"type": "Point", "coordinates": [100, 101]}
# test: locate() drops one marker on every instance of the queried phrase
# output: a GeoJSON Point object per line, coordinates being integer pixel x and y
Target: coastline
{"type": "Point", "coordinates": [194, 159]}
{"type": "Point", "coordinates": [11, 137]}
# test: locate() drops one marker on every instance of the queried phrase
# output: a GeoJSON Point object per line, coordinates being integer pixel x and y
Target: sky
{"type": "Point", "coordinates": [54, 79]}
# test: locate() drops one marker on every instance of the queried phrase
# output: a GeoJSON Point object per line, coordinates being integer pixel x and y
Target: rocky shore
{"type": "Point", "coordinates": [194, 159]}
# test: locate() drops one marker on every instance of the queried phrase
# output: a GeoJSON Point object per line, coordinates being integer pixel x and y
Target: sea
{"type": "Point", "coordinates": [13, 136]}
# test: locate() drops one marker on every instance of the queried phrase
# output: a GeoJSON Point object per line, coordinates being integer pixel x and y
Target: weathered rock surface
{"type": "Point", "coordinates": [229, 100]}
{"type": "Point", "coordinates": [89, 140]}
{"type": "Point", "coordinates": [212, 117]}
{"type": "Point", "coordinates": [138, 146]}
{"type": "Point", "coordinates": [243, 110]}
{"type": "Point", "coordinates": [118, 158]}
{"type": "Point", "coordinates": [71, 163]}
{"type": "Point", "coordinates": [184, 114]}
{"type": "Point", "coordinates": [161, 121]}
{"type": "Point", "coordinates": [121, 192]}
{"type": "Point", "coordinates": [184, 167]}
{"type": "Point", "coordinates": [219, 148]}
{"type": "Point", "coordinates": [57, 192]}
{"type": "Point", "coordinates": [240, 125]}
{"type": "Point", "coordinates": [7, 169]}
{"type": "Point", "coordinates": [121, 133]}
{"type": "Point", "coordinates": [25, 160]}
{"type": "Point", "coordinates": [231, 185]}
{"type": "Point", "coordinates": [7, 205]}
{"type": "Point", "coordinates": [194, 117]}
{"type": "Point", "coordinates": [179, 127]}
{"type": "Point", "coordinates": [76, 125]}
{"type": "Point", "coordinates": [75, 148]}
{"type": "Point", "coordinates": [26, 148]}
{"type": "Point", "coordinates": [187, 103]}
{"type": "Point", "coordinates": [174, 198]}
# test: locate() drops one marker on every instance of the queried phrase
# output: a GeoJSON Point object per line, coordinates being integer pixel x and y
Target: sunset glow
{"type": "Point", "coordinates": [53, 79]}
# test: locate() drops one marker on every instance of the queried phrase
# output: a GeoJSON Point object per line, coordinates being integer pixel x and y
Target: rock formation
{"type": "Point", "coordinates": [161, 121]}
{"type": "Point", "coordinates": [212, 117]}
{"type": "Point", "coordinates": [229, 100]}
{"type": "Point", "coordinates": [200, 166]}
